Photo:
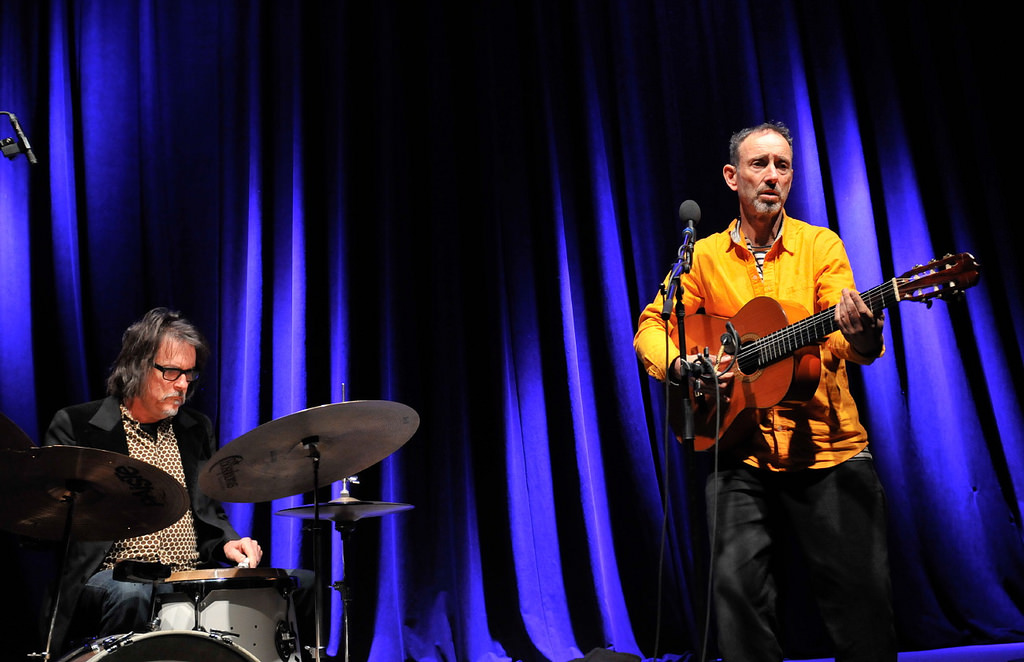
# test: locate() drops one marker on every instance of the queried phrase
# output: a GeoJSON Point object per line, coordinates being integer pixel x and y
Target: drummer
{"type": "Point", "coordinates": [144, 416]}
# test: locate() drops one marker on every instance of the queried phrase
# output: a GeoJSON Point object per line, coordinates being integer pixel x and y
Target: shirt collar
{"type": "Point", "coordinates": [740, 240]}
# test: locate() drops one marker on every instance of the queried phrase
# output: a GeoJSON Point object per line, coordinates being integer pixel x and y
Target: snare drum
{"type": "Point", "coordinates": [251, 605]}
{"type": "Point", "coordinates": [162, 647]}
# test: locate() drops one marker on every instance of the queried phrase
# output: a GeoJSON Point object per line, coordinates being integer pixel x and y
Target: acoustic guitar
{"type": "Point", "coordinates": [778, 359]}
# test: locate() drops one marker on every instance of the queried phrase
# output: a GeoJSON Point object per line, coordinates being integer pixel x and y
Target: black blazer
{"type": "Point", "coordinates": [97, 424]}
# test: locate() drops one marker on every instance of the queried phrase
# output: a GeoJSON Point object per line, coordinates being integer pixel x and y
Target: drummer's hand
{"type": "Point", "coordinates": [241, 550]}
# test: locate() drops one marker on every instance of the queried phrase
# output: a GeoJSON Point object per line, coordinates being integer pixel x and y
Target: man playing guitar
{"type": "Point", "coordinates": [800, 461]}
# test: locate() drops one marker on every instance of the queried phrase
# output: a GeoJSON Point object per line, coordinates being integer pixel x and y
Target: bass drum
{"type": "Point", "coordinates": [161, 647]}
{"type": "Point", "coordinates": [251, 605]}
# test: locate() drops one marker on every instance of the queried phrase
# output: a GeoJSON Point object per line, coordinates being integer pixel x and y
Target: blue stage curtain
{"type": "Point", "coordinates": [463, 208]}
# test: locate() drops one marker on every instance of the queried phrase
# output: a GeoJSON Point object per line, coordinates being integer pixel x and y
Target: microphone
{"type": "Point", "coordinates": [689, 213]}
{"type": "Point", "coordinates": [22, 139]}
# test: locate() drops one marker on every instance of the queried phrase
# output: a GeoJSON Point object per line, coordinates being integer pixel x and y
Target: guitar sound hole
{"type": "Point", "coordinates": [748, 362]}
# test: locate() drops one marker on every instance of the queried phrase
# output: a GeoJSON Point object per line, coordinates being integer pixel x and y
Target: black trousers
{"type": "Point", "coordinates": [837, 516]}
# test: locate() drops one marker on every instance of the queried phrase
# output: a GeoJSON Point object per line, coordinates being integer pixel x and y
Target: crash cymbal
{"type": "Point", "coordinates": [272, 460]}
{"type": "Point", "coordinates": [116, 496]}
{"type": "Point", "coordinates": [345, 509]}
{"type": "Point", "coordinates": [13, 437]}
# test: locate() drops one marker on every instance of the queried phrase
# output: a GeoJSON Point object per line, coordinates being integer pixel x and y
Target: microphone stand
{"type": "Point", "coordinates": [674, 300]}
{"type": "Point", "coordinates": [690, 372]}
{"type": "Point", "coordinates": [12, 148]}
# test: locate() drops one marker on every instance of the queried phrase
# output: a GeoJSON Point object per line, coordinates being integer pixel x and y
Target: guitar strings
{"type": "Point", "coordinates": [782, 342]}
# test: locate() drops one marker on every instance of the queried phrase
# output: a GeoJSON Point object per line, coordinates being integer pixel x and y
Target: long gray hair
{"type": "Point", "coordinates": [139, 345]}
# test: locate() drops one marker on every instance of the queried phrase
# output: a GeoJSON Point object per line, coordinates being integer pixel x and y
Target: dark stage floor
{"type": "Point", "coordinates": [992, 653]}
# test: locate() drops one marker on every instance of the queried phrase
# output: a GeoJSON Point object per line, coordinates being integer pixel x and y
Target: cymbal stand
{"type": "Point", "coordinates": [75, 488]}
{"type": "Point", "coordinates": [311, 444]}
{"type": "Point", "coordinates": [341, 586]}
{"type": "Point", "coordinates": [345, 495]}
{"type": "Point", "coordinates": [346, 529]}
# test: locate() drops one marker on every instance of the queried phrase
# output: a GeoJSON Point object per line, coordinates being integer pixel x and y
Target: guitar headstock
{"type": "Point", "coordinates": [939, 279]}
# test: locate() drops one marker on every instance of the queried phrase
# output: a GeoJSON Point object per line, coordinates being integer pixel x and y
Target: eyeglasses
{"type": "Point", "coordinates": [173, 374]}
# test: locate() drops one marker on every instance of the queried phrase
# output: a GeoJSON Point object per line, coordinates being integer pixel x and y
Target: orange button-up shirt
{"type": "Point", "coordinates": [807, 265]}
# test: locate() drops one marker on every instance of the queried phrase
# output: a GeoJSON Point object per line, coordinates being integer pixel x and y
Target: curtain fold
{"type": "Point", "coordinates": [464, 209]}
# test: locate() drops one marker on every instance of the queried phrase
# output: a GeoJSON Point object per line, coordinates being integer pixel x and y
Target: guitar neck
{"type": "Point", "coordinates": [808, 331]}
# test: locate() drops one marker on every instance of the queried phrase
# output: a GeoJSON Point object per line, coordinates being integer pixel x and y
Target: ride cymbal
{"type": "Point", "coordinates": [274, 459]}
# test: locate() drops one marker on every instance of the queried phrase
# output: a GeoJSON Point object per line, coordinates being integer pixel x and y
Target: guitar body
{"type": "Point", "coordinates": [793, 378]}
{"type": "Point", "coordinates": [778, 359]}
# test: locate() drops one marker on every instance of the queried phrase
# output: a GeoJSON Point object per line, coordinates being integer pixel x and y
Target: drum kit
{"type": "Point", "coordinates": [65, 493]}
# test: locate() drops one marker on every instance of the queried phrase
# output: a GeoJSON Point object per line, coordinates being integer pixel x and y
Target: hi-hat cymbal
{"type": "Point", "coordinates": [273, 460]}
{"type": "Point", "coordinates": [13, 437]}
{"type": "Point", "coordinates": [345, 509]}
{"type": "Point", "coordinates": [115, 496]}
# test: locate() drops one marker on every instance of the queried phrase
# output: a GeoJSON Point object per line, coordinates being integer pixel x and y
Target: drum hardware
{"type": "Point", "coordinates": [197, 597]}
{"type": "Point", "coordinates": [74, 492]}
{"type": "Point", "coordinates": [178, 646]}
{"type": "Point", "coordinates": [285, 640]}
{"type": "Point", "coordinates": [345, 511]}
{"type": "Point", "coordinates": [112, 642]}
{"type": "Point", "coordinates": [291, 454]}
{"type": "Point", "coordinates": [312, 445]}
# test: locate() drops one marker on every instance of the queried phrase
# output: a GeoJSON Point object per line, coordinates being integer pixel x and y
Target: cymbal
{"type": "Point", "coordinates": [345, 509]}
{"type": "Point", "coordinates": [272, 460]}
{"type": "Point", "coordinates": [13, 437]}
{"type": "Point", "coordinates": [116, 496]}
